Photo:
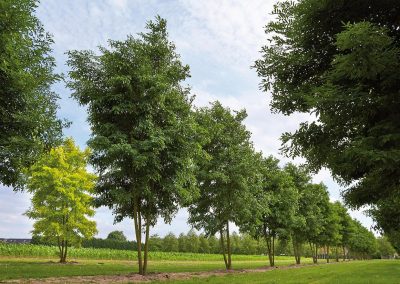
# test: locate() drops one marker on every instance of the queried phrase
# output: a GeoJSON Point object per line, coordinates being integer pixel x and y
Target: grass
{"type": "Point", "coordinates": [13, 267]}
{"type": "Point", "coordinates": [372, 271]}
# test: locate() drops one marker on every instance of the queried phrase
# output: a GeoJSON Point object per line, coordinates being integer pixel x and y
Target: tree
{"type": "Point", "coordinates": [142, 132]}
{"type": "Point", "coordinates": [385, 248]}
{"type": "Point", "coordinates": [225, 176]}
{"type": "Point", "coordinates": [29, 125]}
{"type": "Point", "coordinates": [339, 60]}
{"type": "Point", "coordinates": [330, 234]}
{"type": "Point", "coordinates": [345, 228]}
{"type": "Point", "coordinates": [277, 203]}
{"type": "Point", "coordinates": [362, 242]}
{"type": "Point", "coordinates": [117, 236]}
{"type": "Point", "coordinates": [306, 209]}
{"type": "Point", "coordinates": [61, 201]}
{"type": "Point", "coordinates": [170, 243]}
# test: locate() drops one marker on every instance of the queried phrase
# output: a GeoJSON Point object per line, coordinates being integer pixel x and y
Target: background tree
{"type": "Point", "coordinates": [117, 236]}
{"type": "Point", "coordinates": [170, 243]}
{"type": "Point", "coordinates": [142, 132]}
{"type": "Point", "coordinates": [362, 242]}
{"type": "Point", "coordinates": [304, 218]}
{"type": "Point", "coordinates": [28, 122]}
{"type": "Point", "coordinates": [225, 176]}
{"type": "Point", "coordinates": [345, 228]}
{"type": "Point", "coordinates": [61, 201]}
{"type": "Point", "coordinates": [339, 60]}
{"type": "Point", "coordinates": [385, 248]}
{"type": "Point", "coordinates": [277, 201]}
{"type": "Point", "coordinates": [330, 234]}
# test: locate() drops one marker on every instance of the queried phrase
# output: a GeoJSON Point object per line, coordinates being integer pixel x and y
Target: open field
{"type": "Point", "coordinates": [117, 271]}
{"type": "Point", "coordinates": [12, 267]}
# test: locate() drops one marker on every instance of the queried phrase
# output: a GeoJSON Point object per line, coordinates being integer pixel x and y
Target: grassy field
{"type": "Point", "coordinates": [373, 272]}
{"type": "Point", "coordinates": [12, 267]}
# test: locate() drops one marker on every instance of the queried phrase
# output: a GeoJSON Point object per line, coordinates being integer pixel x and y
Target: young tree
{"type": "Point", "coordinates": [28, 122]}
{"type": "Point", "coordinates": [61, 201]}
{"type": "Point", "coordinates": [306, 210]}
{"type": "Point", "coordinates": [330, 234]}
{"type": "Point", "coordinates": [385, 248]}
{"type": "Point", "coordinates": [345, 228]}
{"type": "Point", "coordinates": [226, 176]}
{"type": "Point", "coordinates": [277, 203]}
{"type": "Point", "coordinates": [339, 60]}
{"type": "Point", "coordinates": [117, 236]}
{"type": "Point", "coordinates": [142, 131]}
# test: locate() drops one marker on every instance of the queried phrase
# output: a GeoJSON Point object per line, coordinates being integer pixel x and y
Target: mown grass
{"type": "Point", "coordinates": [12, 268]}
{"type": "Point", "coordinates": [371, 271]}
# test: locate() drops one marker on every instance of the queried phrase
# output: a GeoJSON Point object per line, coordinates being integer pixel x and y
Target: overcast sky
{"type": "Point", "coordinates": [218, 39]}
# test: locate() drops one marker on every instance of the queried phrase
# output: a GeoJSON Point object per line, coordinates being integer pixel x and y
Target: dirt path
{"type": "Point", "coordinates": [136, 278]}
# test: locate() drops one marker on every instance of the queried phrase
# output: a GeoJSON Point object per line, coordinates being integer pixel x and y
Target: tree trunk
{"type": "Point", "coordinates": [268, 240]}
{"type": "Point", "coordinates": [327, 254]}
{"type": "Point", "coordinates": [337, 254]}
{"type": "Point", "coordinates": [296, 250]}
{"type": "Point", "coordinates": [146, 247]}
{"type": "Point", "coordinates": [223, 247]}
{"type": "Point", "coordinates": [228, 243]}
{"type": "Point", "coordinates": [138, 232]}
{"type": "Point", "coordinates": [344, 253]}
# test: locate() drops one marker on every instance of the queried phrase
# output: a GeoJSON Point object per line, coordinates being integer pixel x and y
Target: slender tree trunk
{"type": "Point", "coordinates": [62, 251]}
{"type": "Point", "coordinates": [273, 250]}
{"type": "Point", "coordinates": [228, 243]}
{"type": "Point", "coordinates": [337, 253]}
{"type": "Point", "coordinates": [223, 248]}
{"type": "Point", "coordinates": [344, 253]}
{"type": "Point", "coordinates": [65, 252]}
{"type": "Point", "coordinates": [138, 232]}
{"type": "Point", "coordinates": [296, 250]}
{"type": "Point", "coordinates": [327, 254]}
{"type": "Point", "coordinates": [268, 240]}
{"type": "Point", "coordinates": [146, 246]}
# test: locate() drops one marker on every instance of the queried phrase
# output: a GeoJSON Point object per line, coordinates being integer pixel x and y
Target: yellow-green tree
{"type": "Point", "coordinates": [61, 201]}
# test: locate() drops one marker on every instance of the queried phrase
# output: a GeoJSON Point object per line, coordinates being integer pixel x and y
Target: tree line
{"type": "Point", "coordinates": [154, 152]}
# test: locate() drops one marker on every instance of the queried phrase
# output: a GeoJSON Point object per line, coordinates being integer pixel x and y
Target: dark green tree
{"type": "Point", "coordinates": [117, 236]}
{"type": "Point", "coordinates": [170, 243]}
{"type": "Point", "coordinates": [225, 176]}
{"type": "Point", "coordinates": [142, 129]}
{"type": "Point", "coordinates": [28, 122]}
{"type": "Point", "coordinates": [339, 60]}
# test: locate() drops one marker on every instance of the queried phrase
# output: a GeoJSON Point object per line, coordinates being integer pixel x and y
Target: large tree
{"type": "Point", "coordinates": [62, 199]}
{"type": "Point", "coordinates": [142, 132]}
{"type": "Point", "coordinates": [28, 121]}
{"type": "Point", "coordinates": [226, 175]}
{"type": "Point", "coordinates": [339, 60]}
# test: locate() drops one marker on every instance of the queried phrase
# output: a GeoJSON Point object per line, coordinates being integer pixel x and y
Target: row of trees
{"type": "Point", "coordinates": [154, 152]}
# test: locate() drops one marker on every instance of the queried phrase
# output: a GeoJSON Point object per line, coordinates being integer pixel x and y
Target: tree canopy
{"type": "Point", "coordinates": [117, 236]}
{"type": "Point", "coordinates": [142, 128]}
{"type": "Point", "coordinates": [28, 122]}
{"type": "Point", "coordinates": [339, 60]}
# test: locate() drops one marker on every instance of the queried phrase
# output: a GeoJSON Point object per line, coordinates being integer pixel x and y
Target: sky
{"type": "Point", "coordinates": [219, 40]}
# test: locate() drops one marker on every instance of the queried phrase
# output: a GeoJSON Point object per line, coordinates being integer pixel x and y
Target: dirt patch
{"type": "Point", "coordinates": [136, 278]}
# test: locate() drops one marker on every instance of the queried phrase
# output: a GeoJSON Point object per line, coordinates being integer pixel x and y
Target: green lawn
{"type": "Point", "coordinates": [11, 268]}
{"type": "Point", "coordinates": [373, 271]}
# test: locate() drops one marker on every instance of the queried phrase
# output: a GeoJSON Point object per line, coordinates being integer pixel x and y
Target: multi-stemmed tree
{"type": "Point", "coordinates": [226, 175]}
{"type": "Point", "coordinates": [143, 137]}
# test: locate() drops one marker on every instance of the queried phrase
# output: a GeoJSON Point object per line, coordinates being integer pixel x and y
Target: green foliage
{"type": "Point", "coordinates": [226, 174]}
{"type": "Point", "coordinates": [116, 236]}
{"type": "Point", "coordinates": [28, 121]}
{"type": "Point", "coordinates": [170, 243]}
{"type": "Point", "coordinates": [142, 127]}
{"type": "Point", "coordinates": [339, 60]}
{"type": "Point", "coordinates": [61, 201]}
{"type": "Point", "coordinates": [385, 248]}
